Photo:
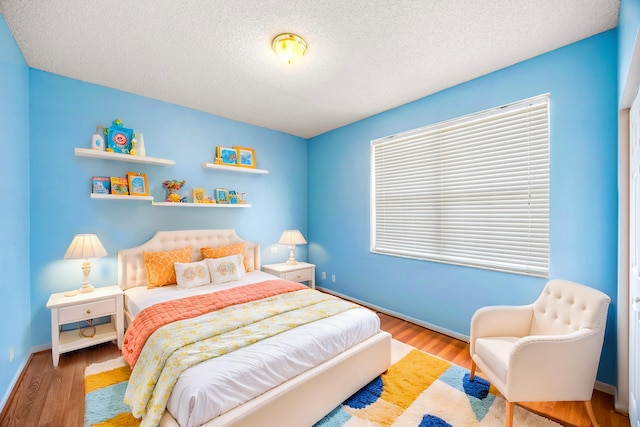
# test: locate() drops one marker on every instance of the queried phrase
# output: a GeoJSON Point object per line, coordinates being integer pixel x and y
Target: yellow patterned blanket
{"type": "Point", "coordinates": [175, 347]}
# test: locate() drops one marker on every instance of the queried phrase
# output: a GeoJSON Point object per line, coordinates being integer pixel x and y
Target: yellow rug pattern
{"type": "Point", "coordinates": [104, 387]}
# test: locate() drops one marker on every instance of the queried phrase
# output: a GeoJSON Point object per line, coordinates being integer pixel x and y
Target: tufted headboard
{"type": "Point", "coordinates": [131, 271]}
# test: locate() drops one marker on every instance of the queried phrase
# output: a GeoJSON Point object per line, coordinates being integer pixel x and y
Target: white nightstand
{"type": "Point", "coordinates": [300, 272]}
{"type": "Point", "coordinates": [107, 301]}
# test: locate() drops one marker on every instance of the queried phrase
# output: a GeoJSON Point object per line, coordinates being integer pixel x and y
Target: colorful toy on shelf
{"type": "Point", "coordinates": [118, 137]}
{"type": "Point", "coordinates": [173, 186]}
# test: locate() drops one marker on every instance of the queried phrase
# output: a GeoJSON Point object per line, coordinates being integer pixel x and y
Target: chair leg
{"type": "Point", "coordinates": [472, 373]}
{"type": "Point", "coordinates": [509, 415]}
{"type": "Point", "coordinates": [592, 415]}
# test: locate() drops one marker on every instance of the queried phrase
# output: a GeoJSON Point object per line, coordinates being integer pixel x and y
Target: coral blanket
{"type": "Point", "coordinates": [158, 315]}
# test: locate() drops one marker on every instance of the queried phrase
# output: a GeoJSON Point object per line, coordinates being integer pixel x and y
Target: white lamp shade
{"type": "Point", "coordinates": [85, 246]}
{"type": "Point", "coordinates": [292, 237]}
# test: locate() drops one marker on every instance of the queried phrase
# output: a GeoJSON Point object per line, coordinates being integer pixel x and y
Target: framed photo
{"type": "Point", "coordinates": [233, 197]}
{"type": "Point", "coordinates": [246, 157]}
{"type": "Point", "coordinates": [228, 156]}
{"type": "Point", "coordinates": [222, 195]}
{"type": "Point", "coordinates": [119, 185]}
{"type": "Point", "coordinates": [101, 185]}
{"type": "Point", "coordinates": [138, 184]}
{"type": "Point", "coordinates": [198, 195]}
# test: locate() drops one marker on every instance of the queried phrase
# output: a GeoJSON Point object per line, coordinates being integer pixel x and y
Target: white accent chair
{"type": "Point", "coordinates": [545, 351]}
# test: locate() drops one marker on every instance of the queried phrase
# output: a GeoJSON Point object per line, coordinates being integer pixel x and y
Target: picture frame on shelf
{"type": "Point", "coordinates": [228, 156]}
{"type": "Point", "coordinates": [246, 157]}
{"type": "Point", "coordinates": [222, 195]}
{"type": "Point", "coordinates": [138, 185]}
{"type": "Point", "coordinates": [233, 197]}
{"type": "Point", "coordinates": [198, 195]}
{"type": "Point", "coordinates": [101, 185]}
{"type": "Point", "coordinates": [119, 186]}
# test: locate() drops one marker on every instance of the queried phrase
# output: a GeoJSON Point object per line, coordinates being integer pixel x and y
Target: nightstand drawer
{"type": "Point", "coordinates": [300, 275]}
{"type": "Point", "coordinates": [87, 311]}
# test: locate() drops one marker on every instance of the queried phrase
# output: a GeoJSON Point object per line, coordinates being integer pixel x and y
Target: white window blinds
{"type": "Point", "coordinates": [472, 191]}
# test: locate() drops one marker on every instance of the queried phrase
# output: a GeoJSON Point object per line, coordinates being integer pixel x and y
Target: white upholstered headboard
{"type": "Point", "coordinates": [131, 271]}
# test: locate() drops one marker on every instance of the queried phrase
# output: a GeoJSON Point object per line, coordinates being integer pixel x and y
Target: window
{"type": "Point", "coordinates": [471, 191]}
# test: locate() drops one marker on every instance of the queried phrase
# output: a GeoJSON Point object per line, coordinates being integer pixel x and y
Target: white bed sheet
{"type": "Point", "coordinates": [216, 386]}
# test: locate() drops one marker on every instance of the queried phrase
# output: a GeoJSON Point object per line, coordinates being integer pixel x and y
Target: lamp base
{"type": "Point", "coordinates": [71, 294]}
{"type": "Point", "coordinates": [86, 288]}
{"type": "Point", "coordinates": [292, 258]}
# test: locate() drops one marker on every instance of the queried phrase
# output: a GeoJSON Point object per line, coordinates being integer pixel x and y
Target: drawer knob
{"type": "Point", "coordinates": [299, 276]}
{"type": "Point", "coordinates": [88, 311]}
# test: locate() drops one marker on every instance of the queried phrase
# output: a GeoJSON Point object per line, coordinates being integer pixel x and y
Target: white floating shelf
{"type": "Point", "coordinates": [203, 205]}
{"type": "Point", "coordinates": [120, 197]}
{"type": "Point", "coordinates": [235, 169]}
{"type": "Point", "coordinates": [97, 154]}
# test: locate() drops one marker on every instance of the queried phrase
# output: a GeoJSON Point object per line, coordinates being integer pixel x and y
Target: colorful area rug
{"type": "Point", "coordinates": [422, 390]}
{"type": "Point", "coordinates": [104, 387]}
{"type": "Point", "coordinates": [418, 390]}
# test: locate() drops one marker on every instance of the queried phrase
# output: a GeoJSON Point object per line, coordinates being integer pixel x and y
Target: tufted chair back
{"type": "Point", "coordinates": [565, 307]}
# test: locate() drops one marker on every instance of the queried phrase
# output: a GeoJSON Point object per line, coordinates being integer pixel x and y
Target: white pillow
{"type": "Point", "coordinates": [192, 274]}
{"type": "Point", "coordinates": [225, 269]}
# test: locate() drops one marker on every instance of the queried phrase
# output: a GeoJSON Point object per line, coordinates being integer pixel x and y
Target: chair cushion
{"type": "Point", "coordinates": [495, 352]}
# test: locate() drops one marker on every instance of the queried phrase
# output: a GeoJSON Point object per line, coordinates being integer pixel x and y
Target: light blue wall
{"type": "Point", "coordinates": [628, 23]}
{"type": "Point", "coordinates": [582, 81]}
{"type": "Point", "coordinates": [64, 114]}
{"type": "Point", "coordinates": [14, 211]}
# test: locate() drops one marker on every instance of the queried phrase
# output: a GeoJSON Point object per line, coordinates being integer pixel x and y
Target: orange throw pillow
{"type": "Point", "coordinates": [222, 251]}
{"type": "Point", "coordinates": [160, 265]}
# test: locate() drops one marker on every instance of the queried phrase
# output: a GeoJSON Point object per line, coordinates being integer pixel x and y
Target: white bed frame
{"type": "Point", "coordinates": [300, 402]}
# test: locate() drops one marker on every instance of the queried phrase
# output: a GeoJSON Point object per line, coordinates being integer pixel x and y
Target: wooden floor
{"type": "Point", "coordinates": [52, 397]}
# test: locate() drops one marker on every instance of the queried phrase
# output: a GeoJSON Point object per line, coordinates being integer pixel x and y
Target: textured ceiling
{"type": "Point", "coordinates": [363, 57]}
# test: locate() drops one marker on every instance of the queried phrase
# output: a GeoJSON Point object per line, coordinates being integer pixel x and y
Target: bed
{"type": "Point", "coordinates": [293, 378]}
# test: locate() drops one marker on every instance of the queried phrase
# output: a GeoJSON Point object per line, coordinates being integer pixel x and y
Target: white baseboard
{"type": "Point", "coordinates": [39, 348]}
{"type": "Point", "coordinates": [14, 382]}
{"type": "Point", "coordinates": [418, 322]}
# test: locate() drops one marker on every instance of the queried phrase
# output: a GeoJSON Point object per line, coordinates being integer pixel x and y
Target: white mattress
{"type": "Point", "coordinates": [216, 386]}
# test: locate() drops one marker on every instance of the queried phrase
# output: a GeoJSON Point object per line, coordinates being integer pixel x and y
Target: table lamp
{"type": "Point", "coordinates": [85, 246]}
{"type": "Point", "coordinates": [292, 238]}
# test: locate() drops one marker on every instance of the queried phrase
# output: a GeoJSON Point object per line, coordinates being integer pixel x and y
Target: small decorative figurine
{"type": "Point", "coordinates": [137, 145]}
{"type": "Point", "coordinates": [173, 186]}
{"type": "Point", "coordinates": [140, 148]}
{"type": "Point", "coordinates": [97, 142]}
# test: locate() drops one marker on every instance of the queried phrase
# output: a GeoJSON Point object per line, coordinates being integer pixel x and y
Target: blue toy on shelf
{"type": "Point", "coordinates": [118, 137]}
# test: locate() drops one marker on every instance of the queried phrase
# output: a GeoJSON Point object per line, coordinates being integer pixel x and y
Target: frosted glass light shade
{"type": "Point", "coordinates": [289, 47]}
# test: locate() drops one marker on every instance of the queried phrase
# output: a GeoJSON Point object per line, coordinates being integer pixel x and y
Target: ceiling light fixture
{"type": "Point", "coordinates": [289, 47]}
